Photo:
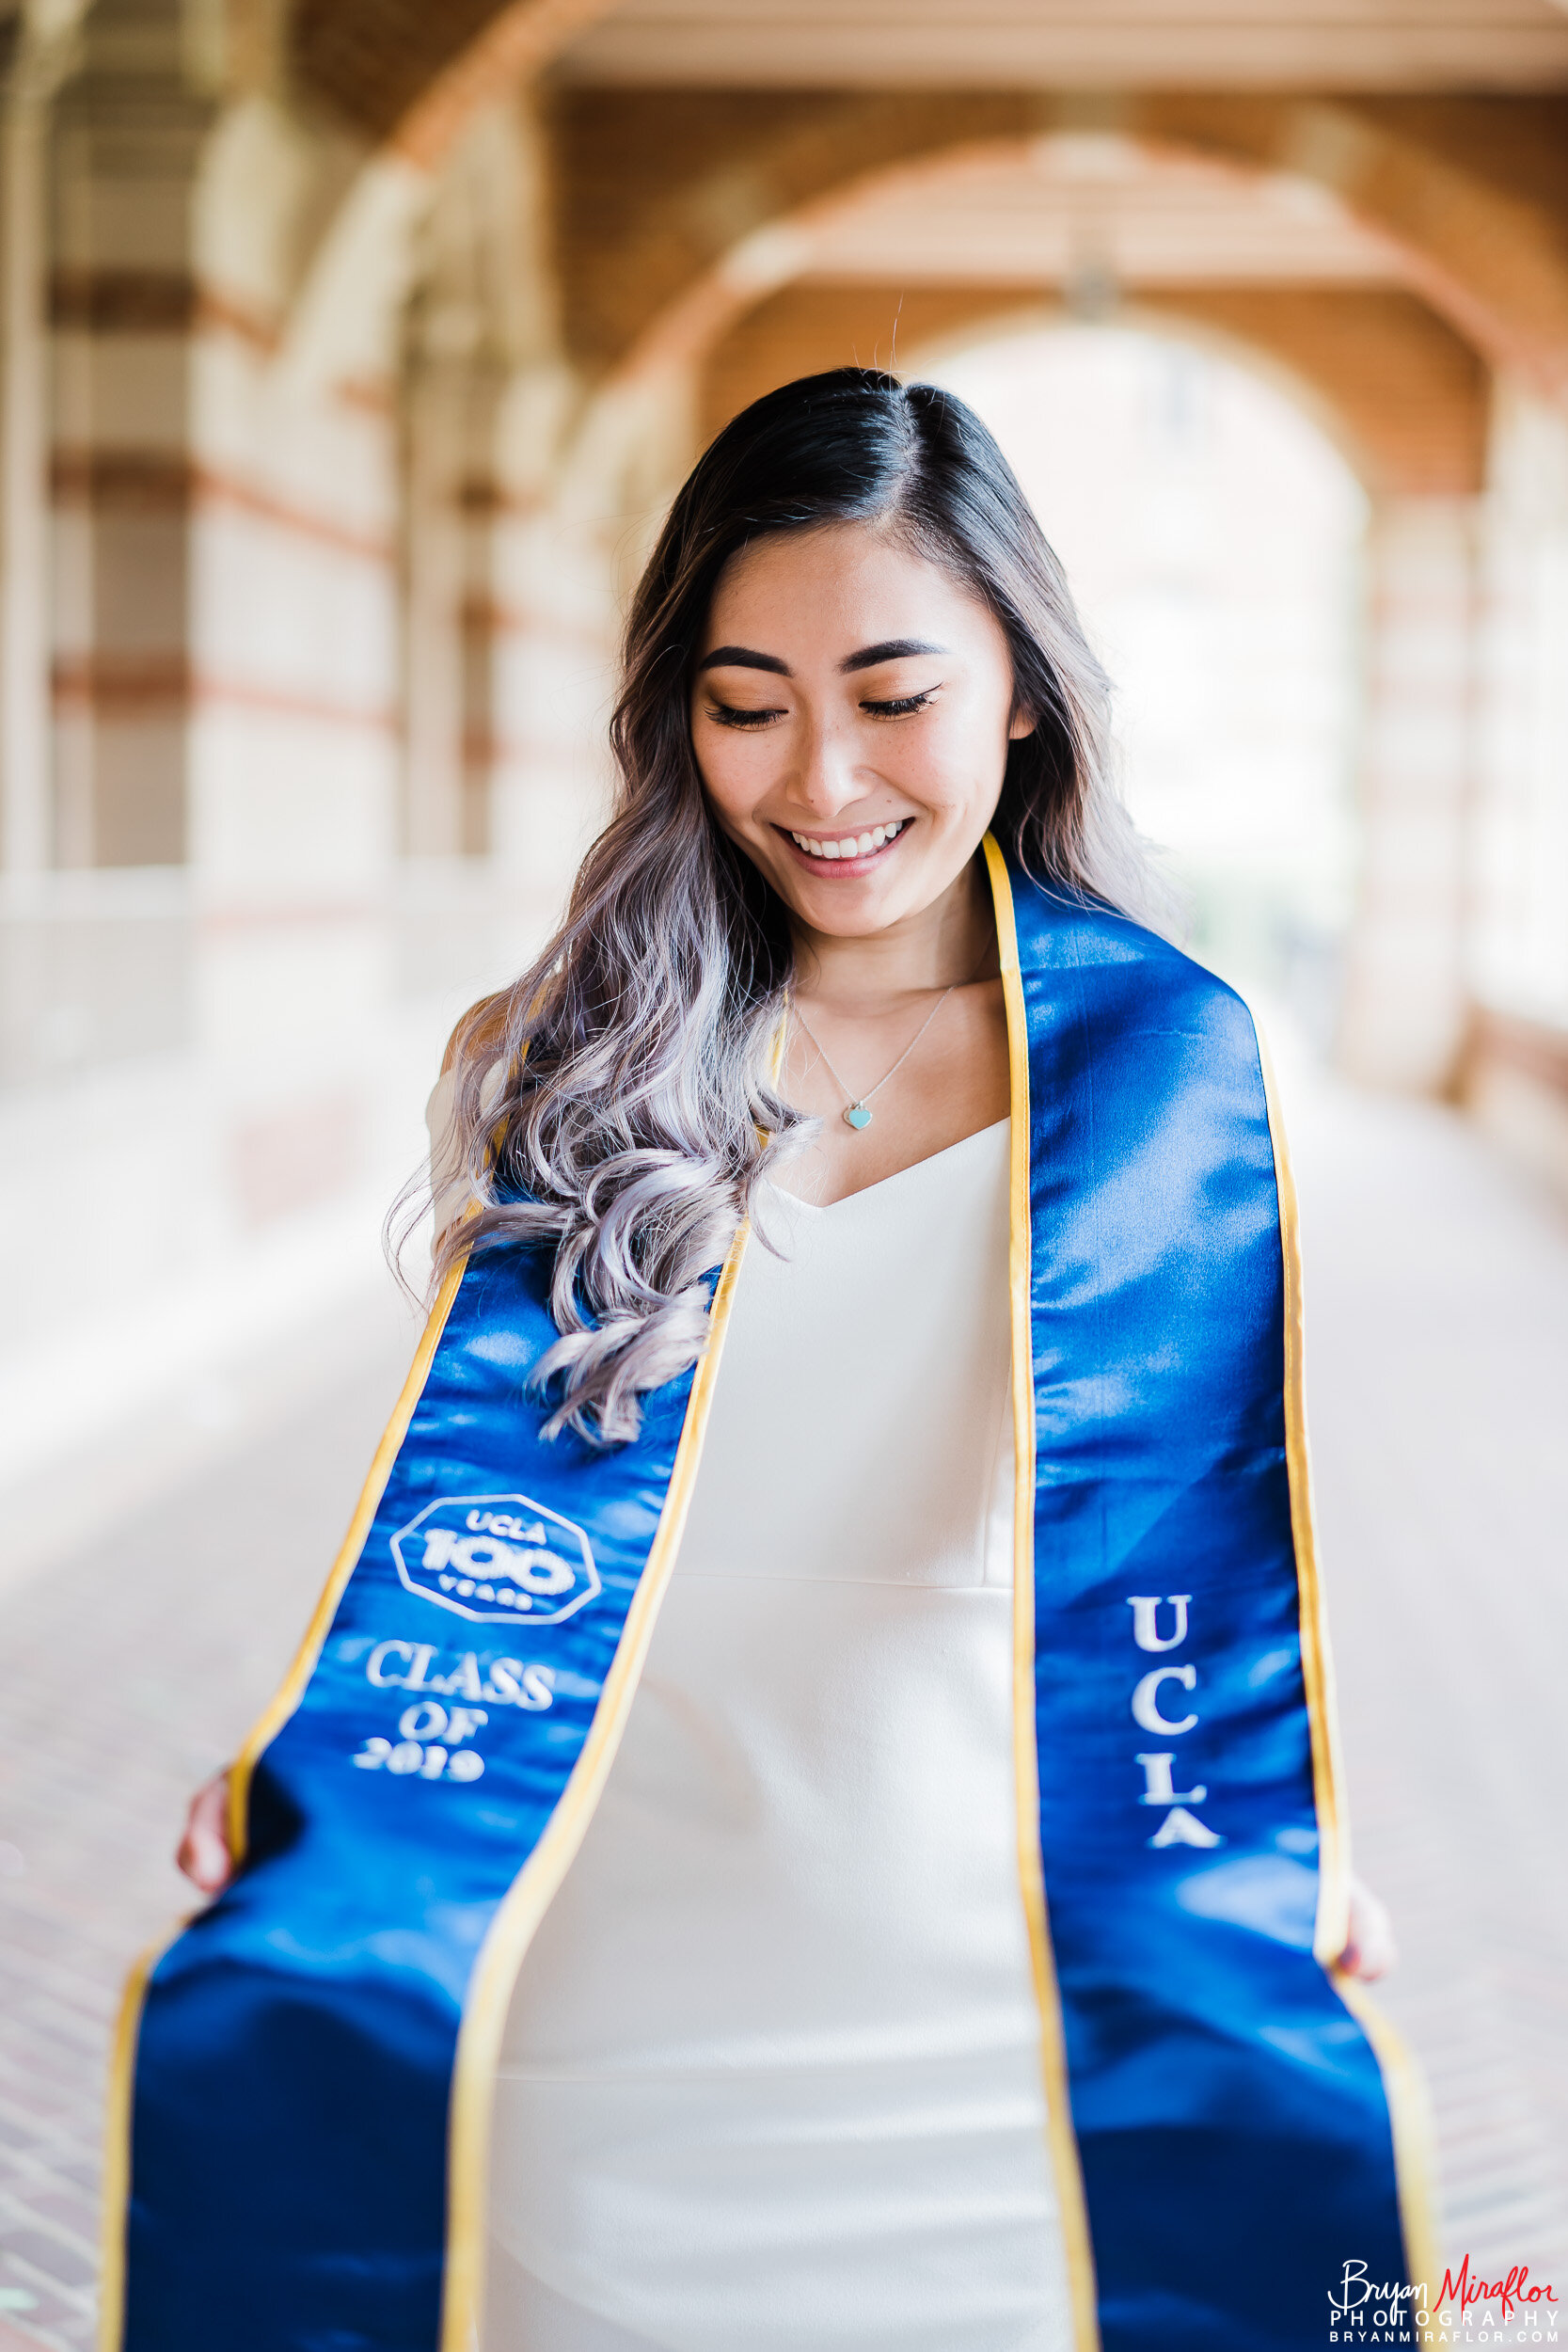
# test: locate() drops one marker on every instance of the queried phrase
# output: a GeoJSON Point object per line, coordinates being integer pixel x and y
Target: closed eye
{"type": "Point", "coordinates": [903, 706]}
{"type": "Point", "coordinates": [730, 715]}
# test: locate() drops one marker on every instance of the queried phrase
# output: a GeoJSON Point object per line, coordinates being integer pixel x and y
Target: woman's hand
{"type": "Point", "coordinates": [204, 1854]}
{"type": "Point", "coordinates": [1370, 1950]}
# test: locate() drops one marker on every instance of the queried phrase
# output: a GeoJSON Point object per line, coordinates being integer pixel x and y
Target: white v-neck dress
{"type": "Point", "coordinates": [771, 2077]}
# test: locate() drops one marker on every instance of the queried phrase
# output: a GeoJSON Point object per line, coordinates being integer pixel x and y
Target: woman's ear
{"type": "Point", "coordinates": [1021, 724]}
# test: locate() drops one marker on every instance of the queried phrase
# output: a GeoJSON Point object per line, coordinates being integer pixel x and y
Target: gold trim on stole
{"type": "Point", "coordinates": [123, 2063]}
{"type": "Point", "coordinates": [1409, 2114]}
{"type": "Point", "coordinates": [116, 2150]}
{"type": "Point", "coordinates": [1060, 2135]}
{"type": "Point", "coordinates": [292, 1689]}
{"type": "Point", "coordinates": [511, 1931]}
{"type": "Point", "coordinates": [501, 1953]}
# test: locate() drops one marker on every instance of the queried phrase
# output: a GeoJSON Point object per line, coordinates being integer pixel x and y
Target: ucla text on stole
{"type": "Point", "coordinates": [507, 1682]}
{"type": "Point", "coordinates": [510, 1682]}
{"type": "Point", "coordinates": [1179, 1826]}
{"type": "Point", "coordinates": [432, 1736]}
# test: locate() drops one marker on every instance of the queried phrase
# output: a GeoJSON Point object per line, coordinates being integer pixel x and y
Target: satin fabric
{"type": "Point", "coordinates": [1229, 2112]}
{"type": "Point", "coordinates": [299, 2047]}
{"type": "Point", "coordinates": [298, 2042]}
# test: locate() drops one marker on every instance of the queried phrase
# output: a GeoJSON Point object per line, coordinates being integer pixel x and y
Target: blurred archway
{"type": "Point", "coordinates": [352, 351]}
{"type": "Point", "coordinates": [1233, 253]}
{"type": "Point", "coordinates": [1214, 535]}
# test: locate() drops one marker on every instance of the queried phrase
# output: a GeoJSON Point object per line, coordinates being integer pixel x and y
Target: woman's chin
{"type": "Point", "coordinates": [850, 906]}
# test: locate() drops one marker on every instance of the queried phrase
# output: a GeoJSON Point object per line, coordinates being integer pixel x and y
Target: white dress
{"type": "Point", "coordinates": [771, 2077]}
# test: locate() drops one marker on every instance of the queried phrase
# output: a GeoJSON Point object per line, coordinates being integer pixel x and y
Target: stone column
{"type": "Point", "coordinates": [450, 611]}
{"type": "Point", "coordinates": [1520, 958]}
{"type": "Point", "coordinates": [1515, 1077]}
{"type": "Point", "coordinates": [127, 137]}
{"type": "Point", "coordinates": [1404, 1008]}
{"type": "Point", "coordinates": [26, 843]}
{"type": "Point", "coordinates": [511, 596]}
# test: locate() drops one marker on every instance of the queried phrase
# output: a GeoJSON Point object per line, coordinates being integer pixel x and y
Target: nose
{"type": "Point", "coordinates": [829, 778]}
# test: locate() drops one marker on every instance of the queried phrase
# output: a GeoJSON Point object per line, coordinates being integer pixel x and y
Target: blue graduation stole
{"type": "Point", "coordinates": [304, 2077]}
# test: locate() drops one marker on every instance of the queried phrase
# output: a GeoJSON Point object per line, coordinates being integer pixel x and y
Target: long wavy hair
{"type": "Point", "coordinates": [614, 1103]}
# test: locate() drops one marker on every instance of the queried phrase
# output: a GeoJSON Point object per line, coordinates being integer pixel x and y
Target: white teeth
{"type": "Point", "coordinates": [853, 845]}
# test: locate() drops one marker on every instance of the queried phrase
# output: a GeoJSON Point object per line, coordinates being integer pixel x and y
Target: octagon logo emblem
{"type": "Point", "coordinates": [497, 1560]}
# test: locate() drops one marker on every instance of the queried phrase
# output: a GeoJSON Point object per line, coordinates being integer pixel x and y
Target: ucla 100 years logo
{"type": "Point", "coordinates": [498, 1560]}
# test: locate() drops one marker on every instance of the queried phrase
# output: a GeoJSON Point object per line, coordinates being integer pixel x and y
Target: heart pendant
{"type": "Point", "coordinates": [857, 1116]}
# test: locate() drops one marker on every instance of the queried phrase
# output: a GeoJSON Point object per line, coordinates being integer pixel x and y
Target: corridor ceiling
{"type": "Point", "coordinates": [1347, 44]}
{"type": "Point", "coordinates": [374, 59]}
{"type": "Point", "coordinates": [1371, 194]}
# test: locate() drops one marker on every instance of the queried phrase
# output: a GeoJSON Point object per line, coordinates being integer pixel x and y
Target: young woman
{"type": "Point", "coordinates": [905, 1929]}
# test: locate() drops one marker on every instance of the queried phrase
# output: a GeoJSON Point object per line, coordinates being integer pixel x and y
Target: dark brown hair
{"type": "Point", "coordinates": [633, 1117]}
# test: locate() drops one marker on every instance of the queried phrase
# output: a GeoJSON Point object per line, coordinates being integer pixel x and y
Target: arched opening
{"type": "Point", "coordinates": [1105, 228]}
{"type": "Point", "coordinates": [349, 350]}
{"type": "Point", "coordinates": [1213, 533]}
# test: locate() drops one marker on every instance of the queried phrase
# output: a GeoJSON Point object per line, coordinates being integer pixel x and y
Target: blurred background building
{"type": "Point", "coordinates": [351, 348]}
{"type": "Point", "coordinates": [349, 353]}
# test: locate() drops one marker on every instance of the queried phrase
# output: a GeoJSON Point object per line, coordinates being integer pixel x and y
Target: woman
{"type": "Point", "coordinates": [789, 2056]}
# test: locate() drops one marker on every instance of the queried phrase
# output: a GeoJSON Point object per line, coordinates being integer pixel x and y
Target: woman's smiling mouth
{"type": "Point", "coordinates": [854, 849]}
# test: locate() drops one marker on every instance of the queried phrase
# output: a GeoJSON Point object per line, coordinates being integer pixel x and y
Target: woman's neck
{"type": "Point", "coordinates": [951, 941]}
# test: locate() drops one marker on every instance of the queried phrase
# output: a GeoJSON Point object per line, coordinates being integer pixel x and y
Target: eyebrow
{"type": "Point", "coordinates": [747, 657]}
{"type": "Point", "coordinates": [742, 658]}
{"type": "Point", "coordinates": [891, 649]}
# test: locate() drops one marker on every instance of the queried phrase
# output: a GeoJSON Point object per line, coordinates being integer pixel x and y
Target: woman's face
{"type": "Point", "coordinates": [852, 713]}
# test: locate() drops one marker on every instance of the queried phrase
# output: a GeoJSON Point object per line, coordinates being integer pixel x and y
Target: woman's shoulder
{"type": "Point", "coordinates": [480, 1032]}
{"type": "Point", "coordinates": [478, 1037]}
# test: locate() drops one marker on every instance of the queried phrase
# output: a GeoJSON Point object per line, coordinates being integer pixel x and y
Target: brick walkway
{"type": "Point", "coordinates": [1437, 1353]}
{"type": "Point", "coordinates": [128, 1673]}
{"type": "Point", "coordinates": [1438, 1305]}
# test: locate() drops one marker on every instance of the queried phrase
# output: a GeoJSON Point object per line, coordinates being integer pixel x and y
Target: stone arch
{"type": "Point", "coordinates": [1404, 390]}
{"type": "Point", "coordinates": [1401, 396]}
{"type": "Point", "coordinates": [655, 199]}
{"type": "Point", "coordinates": [407, 81]}
{"type": "Point", "coordinates": [409, 77]}
{"type": "Point", "coordinates": [676, 218]}
{"type": "Point", "coordinates": [681, 227]}
{"type": "Point", "coordinates": [1393, 367]}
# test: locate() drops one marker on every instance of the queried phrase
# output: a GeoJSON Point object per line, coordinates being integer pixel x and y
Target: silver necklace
{"type": "Point", "coordinates": [855, 1113]}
